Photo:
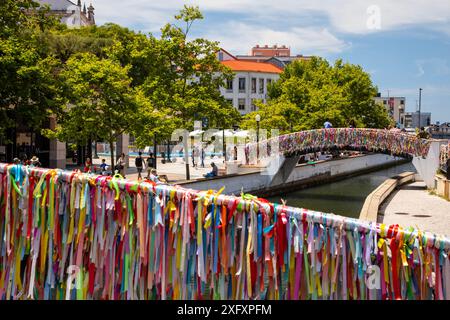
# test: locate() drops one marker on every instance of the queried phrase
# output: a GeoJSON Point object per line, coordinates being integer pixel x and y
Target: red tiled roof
{"type": "Point", "coordinates": [239, 65]}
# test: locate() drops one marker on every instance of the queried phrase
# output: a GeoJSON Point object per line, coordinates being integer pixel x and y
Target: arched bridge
{"type": "Point", "coordinates": [286, 149]}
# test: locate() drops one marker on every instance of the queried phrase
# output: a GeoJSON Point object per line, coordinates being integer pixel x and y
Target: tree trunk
{"type": "Point", "coordinates": [111, 147]}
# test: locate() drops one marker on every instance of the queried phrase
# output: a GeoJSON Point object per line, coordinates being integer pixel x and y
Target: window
{"type": "Point", "coordinates": [241, 104]}
{"type": "Point", "coordinates": [384, 102]}
{"type": "Point", "coordinates": [269, 82]}
{"type": "Point", "coordinates": [253, 85]}
{"type": "Point", "coordinates": [230, 85]}
{"type": "Point", "coordinates": [261, 85]}
{"type": "Point", "coordinates": [402, 101]}
{"type": "Point", "coordinates": [253, 107]}
{"type": "Point", "coordinates": [241, 84]}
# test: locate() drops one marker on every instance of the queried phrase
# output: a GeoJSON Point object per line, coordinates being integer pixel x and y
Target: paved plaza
{"type": "Point", "coordinates": [175, 171]}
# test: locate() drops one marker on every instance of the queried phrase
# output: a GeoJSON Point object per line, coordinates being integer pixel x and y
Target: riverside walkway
{"type": "Point", "coordinates": [412, 205]}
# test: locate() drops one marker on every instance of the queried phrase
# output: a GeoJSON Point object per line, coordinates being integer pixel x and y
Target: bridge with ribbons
{"type": "Point", "coordinates": [283, 152]}
{"type": "Point", "coordinates": [71, 235]}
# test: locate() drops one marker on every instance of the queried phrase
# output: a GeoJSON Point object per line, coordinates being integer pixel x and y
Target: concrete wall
{"type": "Point", "coordinates": [442, 186]}
{"type": "Point", "coordinates": [369, 211]}
{"type": "Point", "coordinates": [303, 175]}
{"type": "Point", "coordinates": [57, 157]}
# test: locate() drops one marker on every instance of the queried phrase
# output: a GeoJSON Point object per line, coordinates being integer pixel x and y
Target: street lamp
{"type": "Point", "coordinates": [258, 119]}
{"type": "Point", "coordinates": [420, 105]}
{"type": "Point", "coordinates": [224, 147]}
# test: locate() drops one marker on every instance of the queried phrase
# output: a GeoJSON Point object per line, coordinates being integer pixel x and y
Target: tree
{"type": "Point", "coordinates": [29, 89]}
{"type": "Point", "coordinates": [280, 115]}
{"type": "Point", "coordinates": [312, 92]}
{"type": "Point", "coordinates": [185, 76]}
{"type": "Point", "coordinates": [100, 102]}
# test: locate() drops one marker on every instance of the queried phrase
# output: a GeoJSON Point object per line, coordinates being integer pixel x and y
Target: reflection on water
{"type": "Point", "coordinates": [344, 197]}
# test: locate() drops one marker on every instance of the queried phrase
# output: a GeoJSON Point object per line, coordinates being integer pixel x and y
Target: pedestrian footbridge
{"type": "Point", "coordinates": [282, 153]}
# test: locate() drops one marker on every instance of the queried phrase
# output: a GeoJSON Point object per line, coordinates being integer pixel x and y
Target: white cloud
{"type": "Point", "coordinates": [282, 22]}
{"type": "Point", "coordinates": [435, 66]}
{"type": "Point", "coordinates": [239, 37]}
{"type": "Point", "coordinates": [349, 16]}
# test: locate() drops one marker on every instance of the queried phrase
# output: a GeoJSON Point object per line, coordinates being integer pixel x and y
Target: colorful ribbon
{"type": "Point", "coordinates": [68, 235]}
{"type": "Point", "coordinates": [376, 140]}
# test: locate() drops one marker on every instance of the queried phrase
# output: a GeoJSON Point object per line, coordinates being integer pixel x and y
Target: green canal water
{"type": "Point", "coordinates": [345, 197]}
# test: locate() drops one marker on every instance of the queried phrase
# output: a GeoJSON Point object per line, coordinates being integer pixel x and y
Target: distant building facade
{"type": "Point", "coordinates": [440, 131]}
{"type": "Point", "coordinates": [395, 106]}
{"type": "Point", "coordinates": [270, 51]}
{"type": "Point", "coordinates": [280, 56]}
{"type": "Point", "coordinates": [411, 119]}
{"type": "Point", "coordinates": [71, 14]}
{"type": "Point", "coordinates": [253, 74]}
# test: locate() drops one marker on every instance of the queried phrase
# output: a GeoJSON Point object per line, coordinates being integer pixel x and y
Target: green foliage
{"type": "Point", "coordinates": [29, 90]}
{"type": "Point", "coordinates": [102, 81]}
{"type": "Point", "coordinates": [312, 92]}
{"type": "Point", "coordinates": [21, 16]}
{"type": "Point", "coordinates": [100, 101]}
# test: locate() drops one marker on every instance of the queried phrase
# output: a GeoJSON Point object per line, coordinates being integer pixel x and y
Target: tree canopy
{"type": "Point", "coordinates": [312, 92]}
{"type": "Point", "coordinates": [29, 90]}
{"type": "Point", "coordinates": [179, 77]}
{"type": "Point", "coordinates": [166, 82]}
{"type": "Point", "coordinates": [100, 101]}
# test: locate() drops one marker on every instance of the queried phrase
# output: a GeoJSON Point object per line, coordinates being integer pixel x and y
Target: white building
{"type": "Point", "coordinates": [71, 14]}
{"type": "Point", "coordinates": [395, 106]}
{"type": "Point", "coordinates": [412, 119]}
{"type": "Point", "coordinates": [249, 83]}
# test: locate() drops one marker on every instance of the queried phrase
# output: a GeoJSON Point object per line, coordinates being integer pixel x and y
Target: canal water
{"type": "Point", "coordinates": [345, 197]}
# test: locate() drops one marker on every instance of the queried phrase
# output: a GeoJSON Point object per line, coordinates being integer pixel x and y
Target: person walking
{"type": "Point", "coordinates": [202, 156]}
{"type": "Point", "coordinates": [247, 151]}
{"type": "Point", "coordinates": [194, 156]}
{"type": "Point", "coordinates": [139, 163]}
{"type": "Point", "coordinates": [149, 164]}
{"type": "Point", "coordinates": [120, 166]}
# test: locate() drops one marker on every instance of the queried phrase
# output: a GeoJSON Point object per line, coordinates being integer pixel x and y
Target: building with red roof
{"type": "Point", "coordinates": [250, 82]}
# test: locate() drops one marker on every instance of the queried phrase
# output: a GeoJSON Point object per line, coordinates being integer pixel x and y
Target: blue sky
{"type": "Point", "coordinates": [403, 44]}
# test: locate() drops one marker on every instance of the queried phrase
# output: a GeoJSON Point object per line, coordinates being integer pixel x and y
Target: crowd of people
{"type": "Point", "coordinates": [141, 164]}
{"type": "Point", "coordinates": [33, 162]}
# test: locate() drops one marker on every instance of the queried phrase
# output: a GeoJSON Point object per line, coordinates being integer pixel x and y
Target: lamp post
{"type": "Point", "coordinates": [155, 149]}
{"type": "Point", "coordinates": [186, 153]}
{"type": "Point", "coordinates": [224, 147]}
{"type": "Point", "coordinates": [258, 119]}
{"type": "Point", "coordinates": [420, 105]}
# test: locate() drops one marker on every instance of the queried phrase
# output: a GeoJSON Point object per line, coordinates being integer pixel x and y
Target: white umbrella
{"type": "Point", "coordinates": [196, 133]}
{"type": "Point", "coordinates": [242, 134]}
{"type": "Point", "coordinates": [227, 133]}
